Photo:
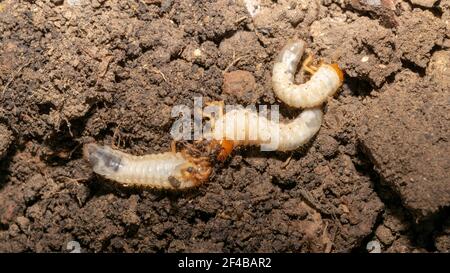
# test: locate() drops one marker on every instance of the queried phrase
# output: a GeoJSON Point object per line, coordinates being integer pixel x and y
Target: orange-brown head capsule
{"type": "Point", "coordinates": [338, 72]}
{"type": "Point", "coordinates": [226, 147]}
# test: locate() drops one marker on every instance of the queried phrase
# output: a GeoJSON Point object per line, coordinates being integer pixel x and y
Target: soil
{"type": "Point", "coordinates": [77, 71]}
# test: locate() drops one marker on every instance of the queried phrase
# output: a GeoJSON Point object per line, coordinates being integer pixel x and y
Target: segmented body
{"type": "Point", "coordinates": [173, 170]}
{"type": "Point", "coordinates": [323, 83]}
{"type": "Point", "coordinates": [168, 170]}
{"type": "Point", "coordinates": [246, 127]}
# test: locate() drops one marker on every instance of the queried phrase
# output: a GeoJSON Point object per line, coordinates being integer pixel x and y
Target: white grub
{"type": "Point", "coordinates": [247, 127]}
{"type": "Point", "coordinates": [323, 83]}
{"type": "Point", "coordinates": [170, 170]}
{"type": "Point", "coordinates": [373, 247]}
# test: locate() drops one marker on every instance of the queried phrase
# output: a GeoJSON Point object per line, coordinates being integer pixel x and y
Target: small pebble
{"type": "Point", "coordinates": [23, 222]}
{"type": "Point", "coordinates": [238, 83]}
{"type": "Point", "coordinates": [373, 247]}
{"type": "Point", "coordinates": [384, 234]}
{"type": "Point", "coordinates": [424, 3]}
{"type": "Point", "coordinates": [439, 67]}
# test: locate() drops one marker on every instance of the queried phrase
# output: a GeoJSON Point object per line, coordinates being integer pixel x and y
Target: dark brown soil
{"type": "Point", "coordinates": [110, 71]}
{"type": "Point", "coordinates": [405, 133]}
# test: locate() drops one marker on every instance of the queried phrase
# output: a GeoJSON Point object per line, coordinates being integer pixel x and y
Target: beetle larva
{"type": "Point", "coordinates": [169, 170]}
{"type": "Point", "coordinates": [324, 82]}
{"type": "Point", "coordinates": [247, 127]}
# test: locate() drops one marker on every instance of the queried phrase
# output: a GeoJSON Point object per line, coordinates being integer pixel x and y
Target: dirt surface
{"type": "Point", "coordinates": [77, 71]}
{"type": "Point", "coordinates": [402, 130]}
